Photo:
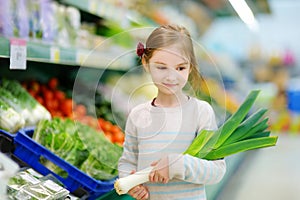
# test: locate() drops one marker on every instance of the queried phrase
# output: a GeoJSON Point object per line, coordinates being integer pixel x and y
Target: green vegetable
{"type": "Point", "coordinates": [260, 127]}
{"type": "Point", "coordinates": [202, 138]}
{"type": "Point", "coordinates": [103, 155]}
{"type": "Point", "coordinates": [16, 104]}
{"type": "Point", "coordinates": [233, 122]}
{"type": "Point", "coordinates": [10, 120]}
{"type": "Point", "coordinates": [99, 170]}
{"type": "Point", "coordinates": [228, 139]}
{"type": "Point", "coordinates": [79, 145]}
{"type": "Point", "coordinates": [234, 136]}
{"type": "Point", "coordinates": [241, 146]}
{"type": "Point", "coordinates": [245, 127]}
{"type": "Point", "coordinates": [37, 111]}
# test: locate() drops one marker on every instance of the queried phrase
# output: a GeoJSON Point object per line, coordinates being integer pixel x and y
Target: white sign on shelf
{"type": "Point", "coordinates": [81, 57]}
{"type": "Point", "coordinates": [93, 6]}
{"type": "Point", "coordinates": [18, 53]}
{"type": "Point", "coordinates": [54, 54]}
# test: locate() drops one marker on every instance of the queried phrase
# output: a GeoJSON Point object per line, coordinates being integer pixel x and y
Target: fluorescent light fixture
{"type": "Point", "coordinates": [245, 13]}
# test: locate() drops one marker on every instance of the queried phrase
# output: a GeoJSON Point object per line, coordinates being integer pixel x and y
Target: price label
{"type": "Point", "coordinates": [18, 54]}
{"type": "Point", "coordinates": [93, 6]}
{"type": "Point", "coordinates": [54, 54]}
{"type": "Point", "coordinates": [81, 57]}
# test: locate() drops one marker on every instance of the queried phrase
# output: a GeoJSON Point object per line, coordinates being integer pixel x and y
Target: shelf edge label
{"type": "Point", "coordinates": [81, 57]}
{"type": "Point", "coordinates": [54, 54]}
{"type": "Point", "coordinates": [92, 6]}
{"type": "Point", "coordinates": [18, 53]}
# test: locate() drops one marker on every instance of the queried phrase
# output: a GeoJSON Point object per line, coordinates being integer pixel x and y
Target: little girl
{"type": "Point", "coordinates": [159, 131]}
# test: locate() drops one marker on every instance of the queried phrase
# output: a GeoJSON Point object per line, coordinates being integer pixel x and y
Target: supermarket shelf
{"type": "Point", "coordinates": [109, 11]}
{"type": "Point", "coordinates": [37, 51]}
{"type": "Point", "coordinates": [42, 52]}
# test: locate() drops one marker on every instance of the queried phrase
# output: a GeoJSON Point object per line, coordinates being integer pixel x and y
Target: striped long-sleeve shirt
{"type": "Point", "coordinates": [153, 132]}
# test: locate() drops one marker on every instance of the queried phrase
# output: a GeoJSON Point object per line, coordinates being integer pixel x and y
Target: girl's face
{"type": "Point", "coordinates": [169, 70]}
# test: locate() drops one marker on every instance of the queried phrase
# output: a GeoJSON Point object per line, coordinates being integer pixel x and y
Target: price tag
{"type": "Point", "coordinates": [18, 53]}
{"type": "Point", "coordinates": [81, 57]}
{"type": "Point", "coordinates": [93, 6]}
{"type": "Point", "coordinates": [54, 54]}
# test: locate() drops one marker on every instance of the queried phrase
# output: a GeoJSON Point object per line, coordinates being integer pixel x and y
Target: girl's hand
{"type": "Point", "coordinates": [160, 173]}
{"type": "Point", "coordinates": [139, 192]}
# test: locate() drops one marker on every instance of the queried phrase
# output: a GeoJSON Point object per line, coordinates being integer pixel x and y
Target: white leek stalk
{"type": "Point", "coordinates": [10, 120]}
{"type": "Point", "coordinates": [39, 113]}
{"type": "Point", "coordinates": [123, 185]}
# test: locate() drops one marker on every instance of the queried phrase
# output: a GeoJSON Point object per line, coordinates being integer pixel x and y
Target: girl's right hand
{"type": "Point", "coordinates": [139, 192]}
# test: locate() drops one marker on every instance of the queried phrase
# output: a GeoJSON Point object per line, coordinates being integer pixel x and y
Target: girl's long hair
{"type": "Point", "coordinates": [168, 35]}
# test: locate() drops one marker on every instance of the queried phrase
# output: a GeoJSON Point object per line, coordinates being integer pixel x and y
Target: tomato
{"type": "Point", "coordinates": [84, 119]}
{"type": "Point", "coordinates": [66, 107]}
{"type": "Point", "coordinates": [109, 136]}
{"type": "Point", "coordinates": [59, 95]}
{"type": "Point", "coordinates": [118, 137]}
{"type": "Point", "coordinates": [32, 93]}
{"type": "Point", "coordinates": [49, 105]}
{"type": "Point", "coordinates": [107, 126]}
{"type": "Point", "coordinates": [92, 122]}
{"type": "Point", "coordinates": [104, 125]}
{"type": "Point", "coordinates": [80, 110]}
{"type": "Point", "coordinates": [48, 95]}
{"type": "Point", "coordinates": [101, 123]}
{"type": "Point", "coordinates": [57, 114]}
{"type": "Point", "coordinates": [43, 89]}
{"type": "Point", "coordinates": [35, 86]}
{"type": "Point", "coordinates": [115, 129]}
{"type": "Point", "coordinates": [55, 104]}
{"type": "Point", "coordinates": [52, 83]}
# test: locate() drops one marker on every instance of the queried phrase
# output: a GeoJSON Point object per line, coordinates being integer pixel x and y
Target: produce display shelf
{"type": "Point", "coordinates": [39, 51]}
{"type": "Point", "coordinates": [77, 182]}
{"type": "Point", "coordinates": [30, 152]}
{"type": "Point", "coordinates": [110, 11]}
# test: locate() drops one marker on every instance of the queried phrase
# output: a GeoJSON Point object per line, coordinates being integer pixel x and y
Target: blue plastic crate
{"type": "Point", "coordinates": [77, 182]}
{"type": "Point", "coordinates": [6, 141]}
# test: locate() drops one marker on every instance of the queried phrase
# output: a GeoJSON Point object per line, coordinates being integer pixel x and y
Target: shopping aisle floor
{"type": "Point", "coordinates": [268, 174]}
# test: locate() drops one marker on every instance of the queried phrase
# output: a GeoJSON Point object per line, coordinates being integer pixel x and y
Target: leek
{"type": "Point", "coordinates": [123, 185]}
{"type": "Point", "coordinates": [10, 120]}
{"type": "Point", "coordinates": [237, 134]}
{"type": "Point", "coordinates": [25, 101]}
{"type": "Point", "coordinates": [16, 104]}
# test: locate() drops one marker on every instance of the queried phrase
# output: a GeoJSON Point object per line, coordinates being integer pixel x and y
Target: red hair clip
{"type": "Point", "coordinates": [140, 49]}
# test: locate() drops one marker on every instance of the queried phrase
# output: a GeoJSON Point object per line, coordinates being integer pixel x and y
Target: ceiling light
{"type": "Point", "coordinates": [245, 13]}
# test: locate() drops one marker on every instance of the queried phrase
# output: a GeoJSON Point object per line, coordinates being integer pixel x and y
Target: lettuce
{"type": "Point", "coordinates": [79, 145]}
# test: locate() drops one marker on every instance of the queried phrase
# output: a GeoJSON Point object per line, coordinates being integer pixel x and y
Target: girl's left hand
{"type": "Point", "coordinates": [160, 172]}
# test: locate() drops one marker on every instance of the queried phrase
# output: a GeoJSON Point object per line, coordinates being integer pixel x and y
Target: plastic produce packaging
{"type": "Point", "coordinates": [28, 184]}
{"type": "Point", "coordinates": [7, 169]}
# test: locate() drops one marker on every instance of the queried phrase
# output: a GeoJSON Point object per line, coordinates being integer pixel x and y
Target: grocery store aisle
{"type": "Point", "coordinates": [268, 174]}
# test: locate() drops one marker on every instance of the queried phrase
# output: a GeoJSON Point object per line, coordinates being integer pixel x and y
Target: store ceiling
{"type": "Point", "coordinates": [223, 8]}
